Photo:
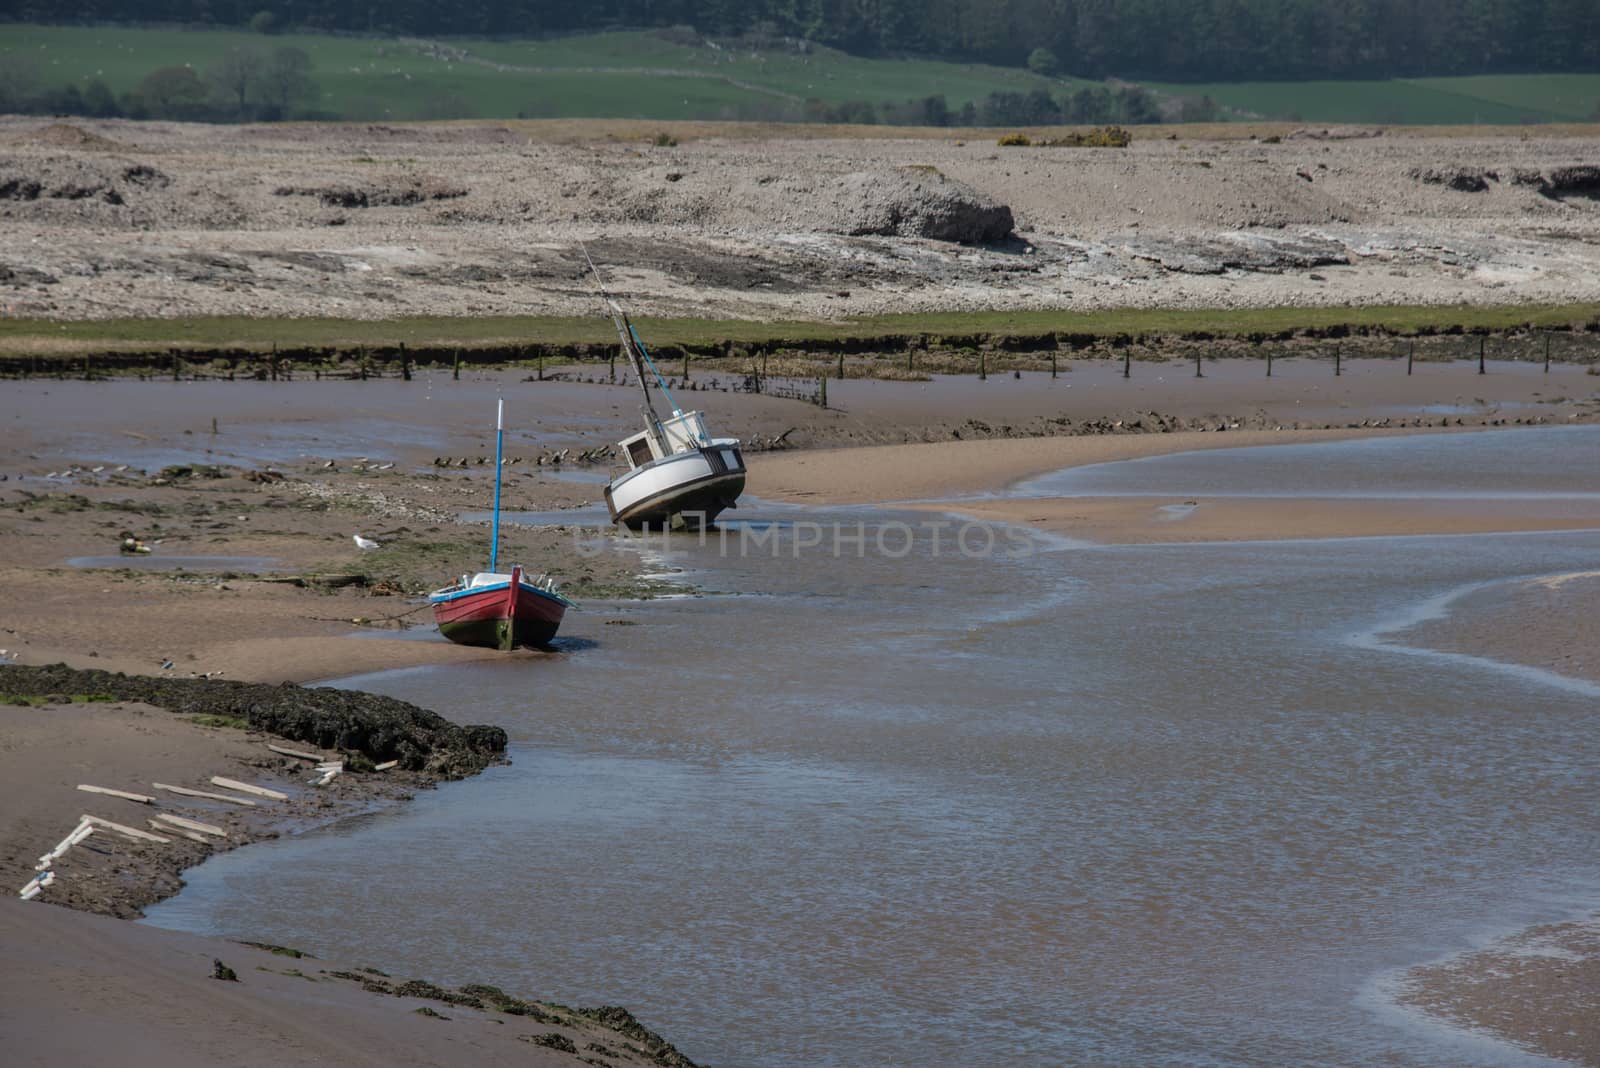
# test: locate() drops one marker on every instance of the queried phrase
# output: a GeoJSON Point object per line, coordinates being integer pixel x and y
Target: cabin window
{"type": "Point", "coordinates": [639, 452]}
{"type": "Point", "coordinates": [731, 459]}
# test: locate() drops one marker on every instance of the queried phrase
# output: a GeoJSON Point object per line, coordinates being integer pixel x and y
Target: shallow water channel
{"type": "Point", "coordinates": [1048, 804]}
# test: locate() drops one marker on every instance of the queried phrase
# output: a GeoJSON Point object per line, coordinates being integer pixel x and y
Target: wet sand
{"type": "Point", "coordinates": [1138, 521]}
{"type": "Point", "coordinates": [81, 989]}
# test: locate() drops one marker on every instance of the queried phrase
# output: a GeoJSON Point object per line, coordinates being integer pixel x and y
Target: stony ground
{"type": "Point", "coordinates": [102, 219]}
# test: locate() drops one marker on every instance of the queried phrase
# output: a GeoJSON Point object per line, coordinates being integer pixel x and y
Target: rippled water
{"type": "Point", "coordinates": [1146, 805]}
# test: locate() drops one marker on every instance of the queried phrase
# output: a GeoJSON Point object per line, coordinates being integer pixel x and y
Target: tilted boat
{"type": "Point", "coordinates": [678, 474]}
{"type": "Point", "coordinates": [495, 610]}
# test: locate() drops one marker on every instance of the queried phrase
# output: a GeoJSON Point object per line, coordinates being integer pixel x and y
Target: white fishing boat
{"type": "Point", "coordinates": [678, 474]}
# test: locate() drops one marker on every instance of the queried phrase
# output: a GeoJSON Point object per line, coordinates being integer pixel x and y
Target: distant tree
{"type": "Point", "coordinates": [1136, 106]}
{"type": "Point", "coordinates": [99, 101]}
{"type": "Point", "coordinates": [172, 93]}
{"type": "Point", "coordinates": [1043, 61]}
{"type": "Point", "coordinates": [1089, 106]}
{"type": "Point", "coordinates": [1196, 109]}
{"type": "Point", "coordinates": [264, 22]}
{"type": "Point", "coordinates": [285, 80]}
{"type": "Point", "coordinates": [236, 75]}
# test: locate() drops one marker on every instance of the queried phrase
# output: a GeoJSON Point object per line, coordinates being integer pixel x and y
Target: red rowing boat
{"type": "Point", "coordinates": [498, 611]}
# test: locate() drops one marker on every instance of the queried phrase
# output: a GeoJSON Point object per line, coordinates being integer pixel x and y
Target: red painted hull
{"type": "Point", "coordinates": [500, 617]}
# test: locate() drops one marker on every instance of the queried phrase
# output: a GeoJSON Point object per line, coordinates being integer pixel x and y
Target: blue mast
{"type": "Point", "coordinates": [499, 436]}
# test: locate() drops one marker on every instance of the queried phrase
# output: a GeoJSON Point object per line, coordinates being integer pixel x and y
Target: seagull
{"type": "Point", "coordinates": [364, 543]}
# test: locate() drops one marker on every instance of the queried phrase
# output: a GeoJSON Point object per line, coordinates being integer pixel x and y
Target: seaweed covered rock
{"type": "Point", "coordinates": [380, 728]}
{"type": "Point", "coordinates": [920, 202]}
{"type": "Point", "coordinates": [624, 1023]}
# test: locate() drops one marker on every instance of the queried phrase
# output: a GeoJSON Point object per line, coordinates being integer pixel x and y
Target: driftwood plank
{"type": "Point", "coordinates": [187, 834]}
{"type": "Point", "coordinates": [186, 792]}
{"type": "Point", "coordinates": [301, 753]}
{"type": "Point", "coordinates": [131, 832]}
{"type": "Point", "coordinates": [193, 825]}
{"type": "Point", "coordinates": [244, 787]}
{"type": "Point", "coordinates": [125, 795]}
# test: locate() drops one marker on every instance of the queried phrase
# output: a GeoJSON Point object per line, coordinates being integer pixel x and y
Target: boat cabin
{"type": "Point", "coordinates": [684, 432]}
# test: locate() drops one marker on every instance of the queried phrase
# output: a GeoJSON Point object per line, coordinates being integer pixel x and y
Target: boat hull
{"type": "Point", "coordinates": [688, 488]}
{"type": "Point", "coordinates": [500, 616]}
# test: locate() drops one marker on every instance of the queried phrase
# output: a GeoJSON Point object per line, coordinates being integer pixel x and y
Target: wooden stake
{"type": "Point", "coordinates": [1481, 340]}
{"type": "Point", "coordinates": [186, 792]}
{"type": "Point", "coordinates": [1197, 372]}
{"type": "Point", "coordinates": [983, 367]}
{"type": "Point", "coordinates": [1411, 355]}
{"type": "Point", "coordinates": [1127, 357]}
{"type": "Point", "coordinates": [1547, 354]}
{"type": "Point", "coordinates": [1336, 361]}
{"type": "Point", "coordinates": [405, 363]}
{"type": "Point", "coordinates": [1052, 364]}
{"type": "Point", "coordinates": [824, 391]}
{"type": "Point", "coordinates": [1269, 363]}
{"type": "Point", "coordinates": [141, 798]}
{"type": "Point", "coordinates": [246, 788]}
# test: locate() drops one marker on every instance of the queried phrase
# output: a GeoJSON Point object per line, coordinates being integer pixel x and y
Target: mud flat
{"type": "Point", "coordinates": [1548, 622]}
{"type": "Point", "coordinates": [78, 984]}
{"type": "Point", "coordinates": [1538, 989]}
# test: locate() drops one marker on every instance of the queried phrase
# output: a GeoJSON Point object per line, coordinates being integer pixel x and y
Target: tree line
{"type": "Point", "coordinates": [1175, 40]}
{"type": "Point", "coordinates": [243, 85]}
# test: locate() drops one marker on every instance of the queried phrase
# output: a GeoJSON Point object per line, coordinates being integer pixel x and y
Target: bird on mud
{"type": "Point", "coordinates": [364, 543]}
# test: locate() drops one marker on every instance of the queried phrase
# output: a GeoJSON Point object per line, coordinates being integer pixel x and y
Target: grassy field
{"type": "Point", "coordinates": [1490, 100]}
{"type": "Point", "coordinates": [622, 75]}
{"type": "Point", "coordinates": [56, 339]}
{"type": "Point", "coordinates": [644, 76]}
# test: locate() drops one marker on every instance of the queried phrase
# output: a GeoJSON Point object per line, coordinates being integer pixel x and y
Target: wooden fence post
{"type": "Point", "coordinates": [1547, 353]}
{"type": "Point", "coordinates": [1481, 340]}
{"type": "Point", "coordinates": [1127, 357]}
{"type": "Point", "coordinates": [1197, 372]}
{"type": "Point", "coordinates": [1336, 360]}
{"type": "Point", "coordinates": [1411, 356]}
{"type": "Point", "coordinates": [824, 396]}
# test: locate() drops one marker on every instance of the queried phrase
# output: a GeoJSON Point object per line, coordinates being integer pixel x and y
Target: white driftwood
{"type": "Point", "coordinates": [79, 833]}
{"type": "Point", "coordinates": [131, 832]}
{"type": "Point", "coordinates": [244, 787]}
{"type": "Point", "coordinates": [301, 753]}
{"type": "Point", "coordinates": [158, 825]}
{"type": "Point", "coordinates": [387, 765]}
{"type": "Point", "coordinates": [193, 825]}
{"type": "Point", "coordinates": [141, 798]}
{"type": "Point", "coordinates": [328, 775]}
{"type": "Point", "coordinates": [186, 792]}
{"type": "Point", "coordinates": [36, 884]}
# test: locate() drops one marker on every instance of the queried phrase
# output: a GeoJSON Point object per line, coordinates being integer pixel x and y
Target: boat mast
{"type": "Point", "coordinates": [630, 348]}
{"type": "Point", "coordinates": [499, 436]}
